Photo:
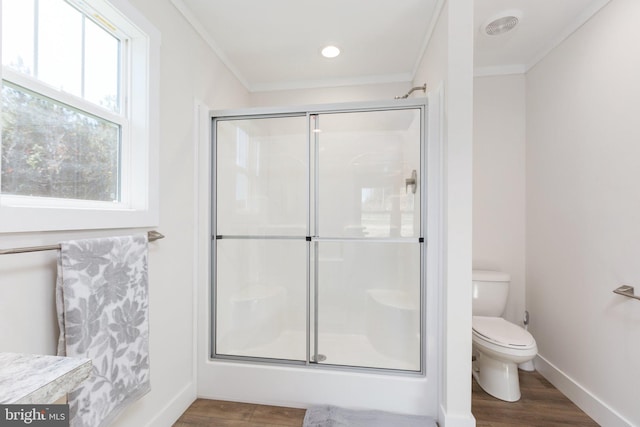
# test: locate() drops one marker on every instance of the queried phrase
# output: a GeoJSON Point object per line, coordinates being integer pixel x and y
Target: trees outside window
{"type": "Point", "coordinates": [79, 116]}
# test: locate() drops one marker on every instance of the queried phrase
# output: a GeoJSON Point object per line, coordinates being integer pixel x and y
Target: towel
{"type": "Point", "coordinates": [333, 416]}
{"type": "Point", "coordinates": [103, 314]}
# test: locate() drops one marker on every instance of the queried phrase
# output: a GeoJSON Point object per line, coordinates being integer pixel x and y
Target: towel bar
{"type": "Point", "coordinates": [152, 235]}
{"type": "Point", "coordinates": [626, 291]}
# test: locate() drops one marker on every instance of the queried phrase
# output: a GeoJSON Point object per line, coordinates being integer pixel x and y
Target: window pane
{"type": "Point", "coordinates": [60, 46]}
{"type": "Point", "coordinates": [101, 67]}
{"type": "Point", "coordinates": [50, 150]}
{"type": "Point", "coordinates": [72, 53]}
{"type": "Point", "coordinates": [17, 35]}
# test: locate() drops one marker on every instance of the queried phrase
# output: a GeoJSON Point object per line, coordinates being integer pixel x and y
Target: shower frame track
{"type": "Point", "coordinates": [312, 291]}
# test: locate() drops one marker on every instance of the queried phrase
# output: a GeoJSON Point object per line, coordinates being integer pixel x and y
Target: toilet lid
{"type": "Point", "coordinates": [502, 332]}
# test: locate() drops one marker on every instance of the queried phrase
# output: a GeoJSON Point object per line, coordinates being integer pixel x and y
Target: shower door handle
{"type": "Point", "coordinates": [413, 182]}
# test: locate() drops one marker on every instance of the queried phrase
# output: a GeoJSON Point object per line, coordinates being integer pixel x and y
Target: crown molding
{"type": "Point", "coordinates": [208, 39]}
{"type": "Point", "coordinates": [580, 20]}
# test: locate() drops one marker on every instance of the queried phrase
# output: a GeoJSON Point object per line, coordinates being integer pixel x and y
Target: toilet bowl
{"type": "Point", "coordinates": [499, 346]}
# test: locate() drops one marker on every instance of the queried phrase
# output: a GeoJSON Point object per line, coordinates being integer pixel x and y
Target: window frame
{"type": "Point", "coordinates": [139, 120]}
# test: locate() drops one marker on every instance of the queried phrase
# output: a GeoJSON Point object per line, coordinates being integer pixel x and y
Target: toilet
{"type": "Point", "coordinates": [498, 345]}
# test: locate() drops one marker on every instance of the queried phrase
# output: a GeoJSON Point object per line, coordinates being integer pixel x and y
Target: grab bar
{"type": "Point", "coordinates": [626, 291]}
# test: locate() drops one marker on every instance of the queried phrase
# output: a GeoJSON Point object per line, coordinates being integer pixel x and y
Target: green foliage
{"type": "Point", "coordinates": [52, 150]}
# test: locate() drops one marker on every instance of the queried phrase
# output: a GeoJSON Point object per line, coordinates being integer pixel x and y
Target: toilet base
{"type": "Point", "coordinates": [527, 366]}
{"type": "Point", "coordinates": [498, 378]}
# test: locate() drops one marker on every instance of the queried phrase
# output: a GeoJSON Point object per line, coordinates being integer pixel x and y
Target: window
{"type": "Point", "coordinates": [79, 148]}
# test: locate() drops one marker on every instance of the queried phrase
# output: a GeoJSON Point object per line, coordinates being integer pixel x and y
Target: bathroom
{"type": "Point", "coordinates": [540, 174]}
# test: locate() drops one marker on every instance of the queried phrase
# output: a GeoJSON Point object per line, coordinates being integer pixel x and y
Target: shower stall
{"type": "Point", "coordinates": [318, 237]}
{"type": "Point", "coordinates": [324, 255]}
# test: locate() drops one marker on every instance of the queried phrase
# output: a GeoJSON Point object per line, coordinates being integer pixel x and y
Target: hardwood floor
{"type": "Point", "coordinates": [541, 405]}
{"type": "Point", "coordinates": [217, 413]}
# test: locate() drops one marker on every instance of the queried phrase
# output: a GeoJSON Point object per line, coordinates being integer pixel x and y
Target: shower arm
{"type": "Point", "coordinates": [413, 89]}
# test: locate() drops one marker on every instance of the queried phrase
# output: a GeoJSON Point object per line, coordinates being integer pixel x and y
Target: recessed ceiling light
{"type": "Point", "coordinates": [330, 52]}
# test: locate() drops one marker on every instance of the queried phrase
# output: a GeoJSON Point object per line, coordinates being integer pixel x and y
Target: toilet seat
{"type": "Point", "coordinates": [502, 333]}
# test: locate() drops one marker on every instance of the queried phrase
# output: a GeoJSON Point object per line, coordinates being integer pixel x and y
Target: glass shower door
{"type": "Point", "coordinates": [318, 238]}
{"type": "Point", "coordinates": [260, 247]}
{"type": "Point", "coordinates": [368, 242]}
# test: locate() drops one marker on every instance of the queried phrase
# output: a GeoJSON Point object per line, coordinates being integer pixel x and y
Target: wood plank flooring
{"type": "Point", "coordinates": [217, 413]}
{"type": "Point", "coordinates": [541, 405]}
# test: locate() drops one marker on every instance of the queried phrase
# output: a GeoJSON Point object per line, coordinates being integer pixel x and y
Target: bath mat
{"type": "Point", "coordinates": [333, 416]}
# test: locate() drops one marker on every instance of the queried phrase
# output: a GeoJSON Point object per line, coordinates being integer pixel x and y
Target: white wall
{"type": "Point", "coordinates": [448, 61]}
{"type": "Point", "coordinates": [583, 213]}
{"type": "Point", "coordinates": [330, 95]}
{"type": "Point", "coordinates": [499, 135]}
{"type": "Point", "coordinates": [189, 71]}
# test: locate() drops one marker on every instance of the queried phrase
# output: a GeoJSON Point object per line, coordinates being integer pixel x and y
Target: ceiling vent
{"type": "Point", "coordinates": [503, 23]}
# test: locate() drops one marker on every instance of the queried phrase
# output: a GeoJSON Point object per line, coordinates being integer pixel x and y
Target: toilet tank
{"type": "Point", "coordinates": [490, 290]}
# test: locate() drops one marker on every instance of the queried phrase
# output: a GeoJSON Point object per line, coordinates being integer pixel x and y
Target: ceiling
{"type": "Point", "coordinates": [275, 44]}
{"type": "Point", "coordinates": [543, 25]}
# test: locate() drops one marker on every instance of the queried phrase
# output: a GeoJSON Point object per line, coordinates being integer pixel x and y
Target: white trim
{"type": "Point", "coordinates": [434, 231]}
{"type": "Point", "coordinates": [18, 201]}
{"type": "Point", "coordinates": [208, 39]}
{"type": "Point", "coordinates": [432, 26]}
{"type": "Point", "coordinates": [128, 12]}
{"type": "Point", "coordinates": [203, 236]}
{"type": "Point", "coordinates": [201, 162]}
{"type": "Point", "coordinates": [170, 412]}
{"type": "Point", "coordinates": [44, 90]}
{"type": "Point", "coordinates": [499, 70]}
{"type": "Point", "coordinates": [457, 221]}
{"type": "Point", "coordinates": [578, 22]}
{"type": "Point", "coordinates": [454, 420]}
{"type": "Point", "coordinates": [601, 412]}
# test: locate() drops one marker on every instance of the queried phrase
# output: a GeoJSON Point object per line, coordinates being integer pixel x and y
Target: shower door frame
{"type": "Point", "coordinates": [311, 284]}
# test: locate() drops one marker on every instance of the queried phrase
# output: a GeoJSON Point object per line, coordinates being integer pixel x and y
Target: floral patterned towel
{"type": "Point", "coordinates": [103, 314]}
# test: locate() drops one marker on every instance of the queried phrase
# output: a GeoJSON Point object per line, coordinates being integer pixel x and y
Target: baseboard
{"type": "Point", "coordinates": [175, 408]}
{"type": "Point", "coordinates": [448, 420]}
{"type": "Point", "coordinates": [601, 413]}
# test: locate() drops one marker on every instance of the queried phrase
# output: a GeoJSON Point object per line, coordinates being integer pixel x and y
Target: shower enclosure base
{"type": "Point", "coordinates": [302, 387]}
{"type": "Point", "coordinates": [341, 349]}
